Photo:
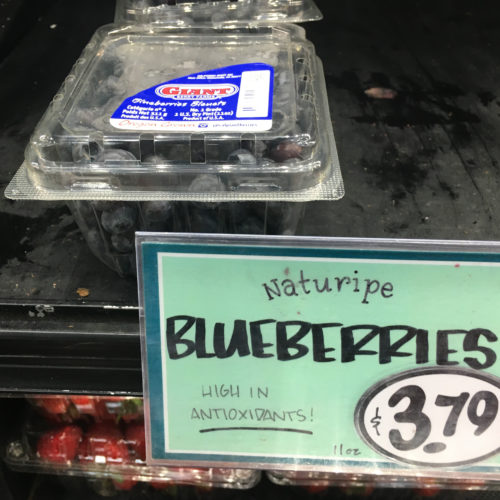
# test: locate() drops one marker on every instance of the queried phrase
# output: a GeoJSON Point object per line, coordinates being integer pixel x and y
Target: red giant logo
{"type": "Point", "coordinates": [196, 92]}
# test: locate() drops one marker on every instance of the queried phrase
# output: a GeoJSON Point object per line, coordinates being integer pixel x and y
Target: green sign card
{"type": "Point", "coordinates": [317, 353]}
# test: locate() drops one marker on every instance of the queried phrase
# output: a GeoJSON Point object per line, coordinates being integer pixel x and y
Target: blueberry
{"type": "Point", "coordinates": [285, 151]}
{"type": "Point", "coordinates": [157, 215]}
{"type": "Point", "coordinates": [251, 225]}
{"type": "Point", "coordinates": [219, 17]}
{"type": "Point", "coordinates": [260, 147]}
{"type": "Point", "coordinates": [80, 152]}
{"type": "Point", "coordinates": [177, 152]}
{"type": "Point", "coordinates": [278, 117]}
{"type": "Point", "coordinates": [101, 205]}
{"type": "Point", "coordinates": [206, 184]}
{"type": "Point", "coordinates": [106, 89]}
{"type": "Point", "coordinates": [84, 117]}
{"type": "Point", "coordinates": [96, 243]}
{"type": "Point", "coordinates": [82, 210]}
{"type": "Point", "coordinates": [116, 155]}
{"type": "Point", "coordinates": [124, 264]}
{"type": "Point", "coordinates": [123, 243]}
{"type": "Point", "coordinates": [120, 220]}
{"type": "Point", "coordinates": [111, 64]}
{"type": "Point", "coordinates": [154, 159]}
{"type": "Point", "coordinates": [204, 221]}
{"type": "Point", "coordinates": [239, 212]}
{"type": "Point", "coordinates": [283, 78]}
{"type": "Point", "coordinates": [243, 157]}
{"type": "Point", "coordinates": [242, 12]}
{"type": "Point", "coordinates": [276, 209]}
{"type": "Point", "coordinates": [305, 121]}
{"type": "Point", "coordinates": [118, 68]}
{"type": "Point", "coordinates": [156, 210]}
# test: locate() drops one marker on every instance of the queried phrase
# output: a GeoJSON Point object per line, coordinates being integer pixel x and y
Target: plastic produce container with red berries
{"type": "Point", "coordinates": [102, 437]}
{"type": "Point", "coordinates": [162, 127]}
{"type": "Point", "coordinates": [365, 483]}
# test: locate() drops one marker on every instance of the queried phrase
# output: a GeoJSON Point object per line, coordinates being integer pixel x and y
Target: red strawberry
{"type": "Point", "coordinates": [124, 484]}
{"type": "Point", "coordinates": [164, 485]}
{"type": "Point", "coordinates": [104, 443]}
{"type": "Point", "coordinates": [84, 404]}
{"type": "Point", "coordinates": [427, 491]}
{"type": "Point", "coordinates": [61, 445]}
{"type": "Point", "coordinates": [316, 488]}
{"type": "Point", "coordinates": [428, 488]}
{"type": "Point", "coordinates": [57, 405]}
{"type": "Point", "coordinates": [203, 488]}
{"type": "Point", "coordinates": [363, 491]}
{"type": "Point", "coordinates": [119, 408]}
{"type": "Point", "coordinates": [136, 439]}
{"type": "Point", "coordinates": [102, 412]}
{"type": "Point", "coordinates": [132, 410]}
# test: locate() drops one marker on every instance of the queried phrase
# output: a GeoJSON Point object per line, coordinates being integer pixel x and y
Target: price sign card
{"type": "Point", "coordinates": [319, 353]}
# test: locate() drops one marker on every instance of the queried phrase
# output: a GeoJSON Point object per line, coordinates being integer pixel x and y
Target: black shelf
{"type": "Point", "coordinates": [91, 350]}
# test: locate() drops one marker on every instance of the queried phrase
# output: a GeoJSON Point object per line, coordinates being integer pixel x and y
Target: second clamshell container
{"type": "Point", "coordinates": [215, 12]}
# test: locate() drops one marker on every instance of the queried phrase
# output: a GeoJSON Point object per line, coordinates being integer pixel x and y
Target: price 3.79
{"type": "Point", "coordinates": [432, 417]}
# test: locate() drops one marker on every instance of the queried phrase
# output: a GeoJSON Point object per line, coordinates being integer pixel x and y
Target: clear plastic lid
{"type": "Point", "coordinates": [187, 114]}
{"type": "Point", "coordinates": [184, 13]}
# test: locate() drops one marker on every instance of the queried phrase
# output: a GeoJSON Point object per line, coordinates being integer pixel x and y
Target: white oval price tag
{"type": "Point", "coordinates": [432, 417]}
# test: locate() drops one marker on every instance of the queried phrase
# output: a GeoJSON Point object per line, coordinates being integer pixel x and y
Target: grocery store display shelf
{"type": "Point", "coordinates": [91, 350]}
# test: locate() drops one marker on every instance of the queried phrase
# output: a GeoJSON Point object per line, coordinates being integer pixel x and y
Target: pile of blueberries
{"type": "Point", "coordinates": [109, 226]}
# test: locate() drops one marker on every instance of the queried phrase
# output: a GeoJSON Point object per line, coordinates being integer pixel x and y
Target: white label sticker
{"type": "Point", "coordinates": [254, 94]}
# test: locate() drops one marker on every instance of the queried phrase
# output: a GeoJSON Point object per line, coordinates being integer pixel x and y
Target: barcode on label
{"type": "Point", "coordinates": [254, 94]}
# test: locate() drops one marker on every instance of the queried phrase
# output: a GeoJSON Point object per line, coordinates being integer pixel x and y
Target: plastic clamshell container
{"type": "Point", "coordinates": [76, 153]}
{"type": "Point", "coordinates": [365, 483]}
{"type": "Point", "coordinates": [103, 437]}
{"type": "Point", "coordinates": [216, 12]}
